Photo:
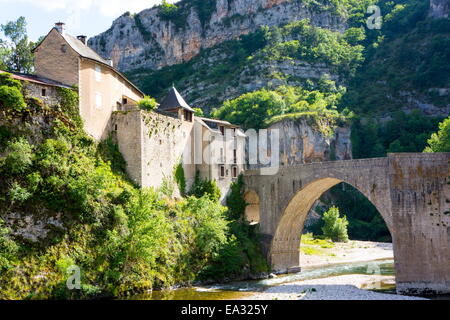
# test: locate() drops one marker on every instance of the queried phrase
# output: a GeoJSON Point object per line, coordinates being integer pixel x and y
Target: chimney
{"type": "Point", "coordinates": [60, 26]}
{"type": "Point", "coordinates": [82, 39]}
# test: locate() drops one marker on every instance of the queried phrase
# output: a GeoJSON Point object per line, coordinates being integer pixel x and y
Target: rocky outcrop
{"type": "Point", "coordinates": [439, 8]}
{"type": "Point", "coordinates": [147, 40]}
{"type": "Point", "coordinates": [301, 142]}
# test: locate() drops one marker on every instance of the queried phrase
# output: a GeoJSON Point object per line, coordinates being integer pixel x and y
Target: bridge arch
{"type": "Point", "coordinates": [409, 190]}
{"type": "Point", "coordinates": [252, 210]}
{"type": "Point", "coordinates": [284, 249]}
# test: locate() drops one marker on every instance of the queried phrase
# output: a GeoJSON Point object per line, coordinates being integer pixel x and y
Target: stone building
{"type": "Point", "coordinates": [40, 88]}
{"type": "Point", "coordinates": [102, 89]}
{"type": "Point", "coordinates": [154, 143]}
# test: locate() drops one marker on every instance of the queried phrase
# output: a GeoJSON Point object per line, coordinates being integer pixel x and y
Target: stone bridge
{"type": "Point", "coordinates": [411, 192]}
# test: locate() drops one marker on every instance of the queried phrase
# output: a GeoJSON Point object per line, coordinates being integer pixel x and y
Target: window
{"type": "Point", "coordinates": [44, 92]}
{"type": "Point", "coordinates": [222, 171]}
{"type": "Point", "coordinates": [234, 172]}
{"type": "Point", "coordinates": [98, 100]}
{"type": "Point", "coordinates": [115, 127]}
{"type": "Point", "coordinates": [222, 130]}
{"type": "Point", "coordinates": [98, 73]}
{"type": "Point", "coordinates": [187, 115]}
{"type": "Point", "coordinates": [124, 101]}
{"type": "Point", "coordinates": [235, 156]}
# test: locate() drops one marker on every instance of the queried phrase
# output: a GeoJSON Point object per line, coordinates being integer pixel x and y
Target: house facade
{"type": "Point", "coordinates": [102, 89]}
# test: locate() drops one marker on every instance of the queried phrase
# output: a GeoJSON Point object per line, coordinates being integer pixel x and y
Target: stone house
{"type": "Point", "coordinates": [152, 143]}
{"type": "Point", "coordinates": [40, 88]}
{"type": "Point", "coordinates": [102, 89]}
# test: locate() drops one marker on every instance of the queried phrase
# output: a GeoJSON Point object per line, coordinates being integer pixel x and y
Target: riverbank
{"type": "Point", "coordinates": [320, 253]}
{"type": "Point", "coordinates": [315, 255]}
{"type": "Point", "coordinates": [345, 287]}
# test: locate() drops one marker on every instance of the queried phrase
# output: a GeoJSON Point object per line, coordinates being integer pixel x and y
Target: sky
{"type": "Point", "coordinates": [82, 17]}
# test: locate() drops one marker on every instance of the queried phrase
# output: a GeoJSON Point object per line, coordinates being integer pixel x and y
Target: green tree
{"type": "Point", "coordinates": [148, 103]}
{"type": "Point", "coordinates": [440, 141]}
{"type": "Point", "coordinates": [252, 109]}
{"type": "Point", "coordinates": [15, 50]}
{"type": "Point", "coordinates": [335, 227]}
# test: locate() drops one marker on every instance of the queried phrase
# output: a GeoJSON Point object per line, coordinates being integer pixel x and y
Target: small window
{"type": "Point", "coordinates": [115, 127]}
{"type": "Point", "coordinates": [98, 73]}
{"type": "Point", "coordinates": [235, 156]}
{"type": "Point", "coordinates": [98, 100]}
{"type": "Point", "coordinates": [124, 101]}
{"type": "Point", "coordinates": [187, 115]}
{"type": "Point", "coordinates": [44, 92]}
{"type": "Point", "coordinates": [222, 130]}
{"type": "Point", "coordinates": [222, 171]}
{"type": "Point", "coordinates": [234, 172]}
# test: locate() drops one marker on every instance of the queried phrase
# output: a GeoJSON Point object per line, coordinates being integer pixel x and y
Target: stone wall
{"type": "Point", "coordinates": [34, 90]}
{"type": "Point", "coordinates": [153, 145]}
{"type": "Point", "coordinates": [55, 59]}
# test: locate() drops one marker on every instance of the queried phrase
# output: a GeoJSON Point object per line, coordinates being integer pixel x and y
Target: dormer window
{"type": "Point", "coordinates": [98, 73]}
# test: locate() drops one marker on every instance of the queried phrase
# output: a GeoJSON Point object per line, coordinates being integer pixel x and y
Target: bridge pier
{"type": "Point", "coordinates": [410, 191]}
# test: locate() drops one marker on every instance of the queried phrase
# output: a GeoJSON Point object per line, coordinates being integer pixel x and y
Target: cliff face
{"type": "Point", "coordinates": [149, 40]}
{"type": "Point", "coordinates": [301, 142]}
{"type": "Point", "coordinates": [439, 8]}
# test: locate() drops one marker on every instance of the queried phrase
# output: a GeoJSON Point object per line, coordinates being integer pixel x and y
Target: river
{"type": "Point", "coordinates": [244, 289]}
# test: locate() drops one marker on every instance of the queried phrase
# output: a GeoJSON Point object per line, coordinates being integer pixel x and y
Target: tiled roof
{"type": "Point", "coordinates": [82, 49]}
{"type": "Point", "coordinates": [36, 79]}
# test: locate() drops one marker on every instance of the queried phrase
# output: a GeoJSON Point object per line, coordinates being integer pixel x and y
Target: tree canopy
{"type": "Point", "coordinates": [15, 47]}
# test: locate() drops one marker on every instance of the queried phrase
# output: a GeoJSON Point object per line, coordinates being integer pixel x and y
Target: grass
{"type": "Point", "coordinates": [312, 246]}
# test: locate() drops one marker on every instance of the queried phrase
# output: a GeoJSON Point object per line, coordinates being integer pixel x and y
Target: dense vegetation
{"type": "Point", "coordinates": [82, 211]}
{"type": "Point", "coordinates": [440, 141]}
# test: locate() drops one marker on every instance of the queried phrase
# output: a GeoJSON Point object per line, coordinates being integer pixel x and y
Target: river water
{"type": "Point", "coordinates": [243, 289]}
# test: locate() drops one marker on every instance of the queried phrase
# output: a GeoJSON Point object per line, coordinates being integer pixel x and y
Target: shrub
{"type": "Point", "coordinates": [8, 248]}
{"type": "Point", "coordinates": [7, 80]}
{"type": "Point", "coordinates": [180, 178]}
{"type": "Point", "coordinates": [148, 104]}
{"type": "Point", "coordinates": [19, 156]}
{"type": "Point", "coordinates": [335, 228]}
{"type": "Point", "coordinates": [18, 194]}
{"type": "Point", "coordinates": [440, 141]}
{"type": "Point", "coordinates": [205, 187]}
{"type": "Point", "coordinates": [11, 97]}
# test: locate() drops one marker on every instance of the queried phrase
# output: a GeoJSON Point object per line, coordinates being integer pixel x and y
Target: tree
{"type": "Point", "coordinates": [148, 104]}
{"type": "Point", "coordinates": [335, 227]}
{"type": "Point", "coordinates": [15, 51]}
{"type": "Point", "coordinates": [440, 141]}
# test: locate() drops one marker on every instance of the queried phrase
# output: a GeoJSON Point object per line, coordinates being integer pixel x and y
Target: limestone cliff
{"type": "Point", "coordinates": [439, 8]}
{"type": "Point", "coordinates": [302, 142]}
{"type": "Point", "coordinates": [151, 40]}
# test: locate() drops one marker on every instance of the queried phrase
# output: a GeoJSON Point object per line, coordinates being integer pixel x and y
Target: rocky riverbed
{"type": "Point", "coordinates": [342, 287]}
{"type": "Point", "coordinates": [346, 287]}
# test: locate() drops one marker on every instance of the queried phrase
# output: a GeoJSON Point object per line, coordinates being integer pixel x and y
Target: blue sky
{"type": "Point", "coordinates": [87, 17]}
